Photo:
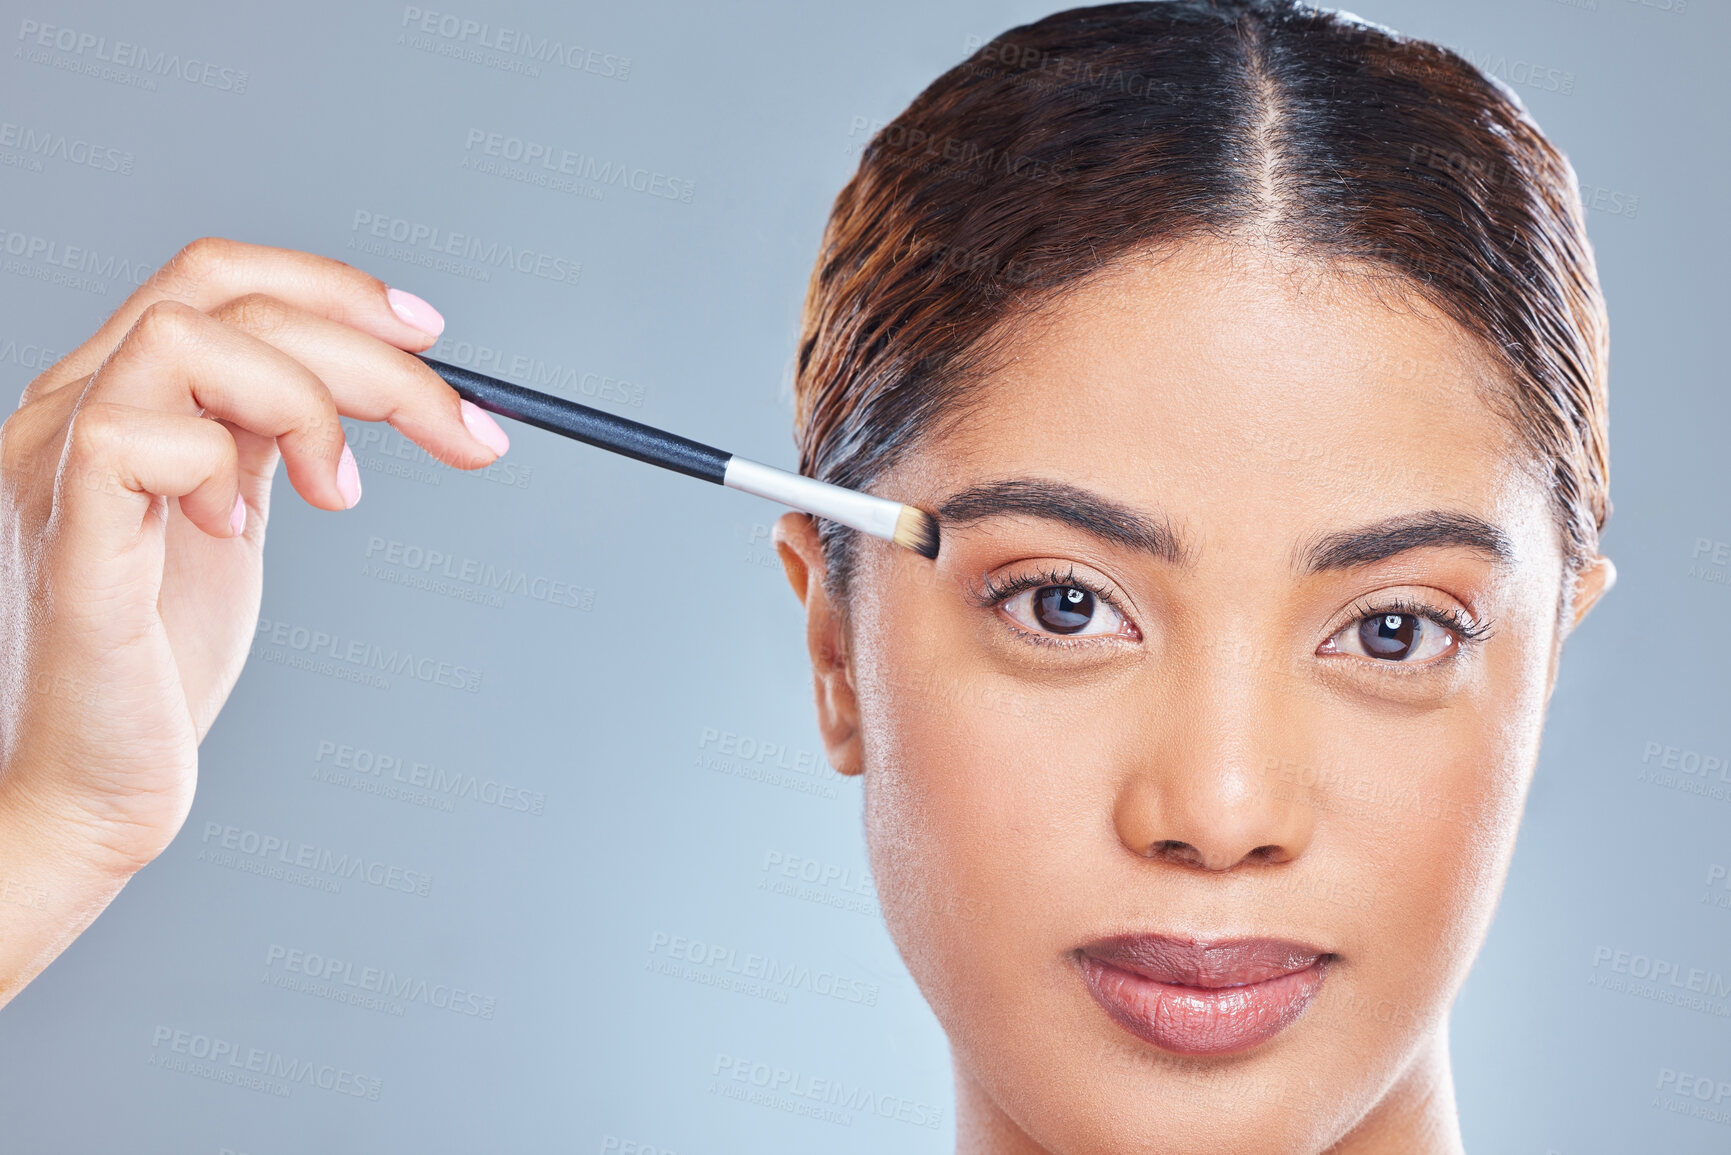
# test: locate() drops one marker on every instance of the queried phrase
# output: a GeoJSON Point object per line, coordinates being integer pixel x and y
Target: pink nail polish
{"type": "Point", "coordinates": [415, 311]}
{"type": "Point", "coordinates": [237, 517]}
{"type": "Point", "coordinates": [349, 477]}
{"type": "Point", "coordinates": [484, 429]}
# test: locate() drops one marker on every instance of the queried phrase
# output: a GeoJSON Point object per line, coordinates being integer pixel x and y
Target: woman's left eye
{"type": "Point", "coordinates": [1070, 611]}
{"type": "Point", "coordinates": [1394, 636]}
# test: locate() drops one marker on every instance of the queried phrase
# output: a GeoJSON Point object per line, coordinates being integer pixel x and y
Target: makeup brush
{"type": "Point", "coordinates": [892, 521]}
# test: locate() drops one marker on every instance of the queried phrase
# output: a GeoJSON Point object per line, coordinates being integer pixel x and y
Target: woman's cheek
{"type": "Point", "coordinates": [951, 752]}
{"type": "Point", "coordinates": [1428, 822]}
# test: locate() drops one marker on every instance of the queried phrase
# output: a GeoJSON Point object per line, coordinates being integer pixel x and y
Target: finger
{"type": "Point", "coordinates": [30, 443]}
{"type": "Point", "coordinates": [373, 381]}
{"type": "Point", "coordinates": [118, 458]}
{"type": "Point", "coordinates": [211, 270]}
{"type": "Point", "coordinates": [259, 456]}
{"type": "Point", "coordinates": [178, 360]}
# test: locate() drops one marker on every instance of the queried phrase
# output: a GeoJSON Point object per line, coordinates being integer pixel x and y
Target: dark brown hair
{"type": "Point", "coordinates": [1099, 133]}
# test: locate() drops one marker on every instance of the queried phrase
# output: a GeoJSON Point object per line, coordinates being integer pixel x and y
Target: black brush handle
{"type": "Point", "coordinates": [557, 415]}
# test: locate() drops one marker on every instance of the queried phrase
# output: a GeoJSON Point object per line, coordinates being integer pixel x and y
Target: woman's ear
{"type": "Point", "coordinates": [1592, 582]}
{"type": "Point", "coordinates": [802, 558]}
{"type": "Point", "coordinates": [1589, 583]}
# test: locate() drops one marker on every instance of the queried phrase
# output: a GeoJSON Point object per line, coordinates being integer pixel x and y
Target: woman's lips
{"type": "Point", "coordinates": [1197, 998]}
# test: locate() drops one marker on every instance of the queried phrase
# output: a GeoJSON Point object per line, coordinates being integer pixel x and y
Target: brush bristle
{"type": "Point", "coordinates": [917, 530]}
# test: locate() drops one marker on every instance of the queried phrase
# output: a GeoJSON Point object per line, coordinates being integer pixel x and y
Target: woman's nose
{"type": "Point", "coordinates": [1198, 795]}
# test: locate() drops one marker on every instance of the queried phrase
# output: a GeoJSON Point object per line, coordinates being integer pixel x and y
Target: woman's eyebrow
{"type": "Point", "coordinates": [1430, 529]}
{"type": "Point", "coordinates": [1122, 525]}
{"type": "Point", "coordinates": [1070, 504]}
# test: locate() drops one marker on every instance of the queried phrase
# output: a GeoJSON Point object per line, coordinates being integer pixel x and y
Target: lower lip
{"type": "Point", "coordinates": [1201, 1020]}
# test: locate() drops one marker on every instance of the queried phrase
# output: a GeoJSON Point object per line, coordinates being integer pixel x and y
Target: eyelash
{"type": "Point", "coordinates": [994, 593]}
{"type": "Point", "coordinates": [1468, 630]}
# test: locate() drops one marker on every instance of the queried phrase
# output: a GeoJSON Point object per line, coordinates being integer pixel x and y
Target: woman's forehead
{"type": "Point", "coordinates": [1216, 316]}
{"type": "Point", "coordinates": [1260, 398]}
{"type": "Point", "coordinates": [1246, 358]}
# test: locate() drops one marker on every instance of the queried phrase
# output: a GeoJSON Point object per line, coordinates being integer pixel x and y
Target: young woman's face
{"type": "Point", "coordinates": [1193, 765]}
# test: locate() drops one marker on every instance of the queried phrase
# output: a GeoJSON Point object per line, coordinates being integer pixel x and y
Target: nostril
{"type": "Point", "coordinates": [1184, 854]}
{"type": "Point", "coordinates": [1173, 850]}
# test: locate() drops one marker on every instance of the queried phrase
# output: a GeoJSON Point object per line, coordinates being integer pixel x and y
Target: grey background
{"type": "Point", "coordinates": [617, 714]}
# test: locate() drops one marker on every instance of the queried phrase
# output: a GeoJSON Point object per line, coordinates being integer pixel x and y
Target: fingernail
{"type": "Point", "coordinates": [349, 477]}
{"type": "Point", "coordinates": [237, 518]}
{"type": "Point", "coordinates": [484, 429]}
{"type": "Point", "coordinates": [415, 311]}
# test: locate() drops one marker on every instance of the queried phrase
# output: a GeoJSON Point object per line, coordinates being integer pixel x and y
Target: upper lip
{"type": "Point", "coordinates": [1215, 964]}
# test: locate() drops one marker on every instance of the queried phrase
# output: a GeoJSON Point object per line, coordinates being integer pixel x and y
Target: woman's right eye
{"type": "Point", "coordinates": [1069, 611]}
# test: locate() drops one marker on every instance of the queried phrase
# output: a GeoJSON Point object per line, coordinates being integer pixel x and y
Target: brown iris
{"type": "Point", "coordinates": [1063, 609]}
{"type": "Point", "coordinates": [1391, 636]}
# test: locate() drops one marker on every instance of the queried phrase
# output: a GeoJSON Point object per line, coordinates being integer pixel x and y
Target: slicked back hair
{"type": "Point", "coordinates": [1097, 133]}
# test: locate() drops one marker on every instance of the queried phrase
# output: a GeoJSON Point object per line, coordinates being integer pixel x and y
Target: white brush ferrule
{"type": "Point", "coordinates": [874, 515]}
